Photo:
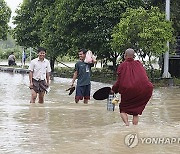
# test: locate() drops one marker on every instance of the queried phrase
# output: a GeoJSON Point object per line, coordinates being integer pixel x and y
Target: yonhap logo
{"type": "Point", "coordinates": [132, 140]}
{"type": "Point", "coordinates": [160, 140]}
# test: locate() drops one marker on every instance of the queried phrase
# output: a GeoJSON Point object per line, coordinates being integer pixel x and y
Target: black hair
{"type": "Point", "coordinates": [41, 49]}
{"type": "Point", "coordinates": [83, 50]}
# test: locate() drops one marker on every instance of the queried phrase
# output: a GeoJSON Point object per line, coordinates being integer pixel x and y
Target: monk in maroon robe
{"type": "Point", "coordinates": [134, 86]}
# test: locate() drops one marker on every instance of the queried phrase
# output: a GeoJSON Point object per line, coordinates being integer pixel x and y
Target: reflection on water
{"type": "Point", "coordinates": [62, 127]}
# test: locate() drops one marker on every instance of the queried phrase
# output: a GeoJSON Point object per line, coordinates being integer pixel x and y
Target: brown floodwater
{"type": "Point", "coordinates": [59, 126]}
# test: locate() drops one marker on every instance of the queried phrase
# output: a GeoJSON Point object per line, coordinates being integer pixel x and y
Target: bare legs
{"type": "Point", "coordinates": [76, 100]}
{"type": "Point", "coordinates": [34, 96]}
{"type": "Point", "coordinates": [85, 101]}
{"type": "Point", "coordinates": [41, 97]}
{"type": "Point", "coordinates": [124, 117]}
{"type": "Point", "coordinates": [135, 119]}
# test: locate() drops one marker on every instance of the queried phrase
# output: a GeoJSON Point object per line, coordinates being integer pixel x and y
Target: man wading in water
{"type": "Point", "coordinates": [39, 76]}
{"type": "Point", "coordinates": [134, 86]}
{"type": "Point", "coordinates": [83, 75]}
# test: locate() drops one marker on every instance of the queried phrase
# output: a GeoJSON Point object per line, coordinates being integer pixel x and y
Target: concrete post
{"type": "Point", "coordinates": [166, 73]}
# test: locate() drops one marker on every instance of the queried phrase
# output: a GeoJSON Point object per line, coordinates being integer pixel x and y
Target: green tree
{"type": "Point", "coordinates": [66, 25]}
{"type": "Point", "coordinates": [5, 14]}
{"type": "Point", "coordinates": [51, 34]}
{"type": "Point", "coordinates": [146, 31]}
{"type": "Point", "coordinates": [41, 27]}
{"type": "Point", "coordinates": [174, 12]}
{"type": "Point", "coordinates": [8, 43]}
{"type": "Point", "coordinates": [88, 24]}
{"type": "Point", "coordinates": [63, 26]}
{"type": "Point", "coordinates": [26, 32]}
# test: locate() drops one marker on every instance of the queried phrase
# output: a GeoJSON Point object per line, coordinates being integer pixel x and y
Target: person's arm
{"type": "Point", "coordinates": [94, 61]}
{"type": "Point", "coordinates": [30, 79]}
{"type": "Point", "coordinates": [115, 87]}
{"type": "Point", "coordinates": [31, 69]}
{"type": "Point", "coordinates": [47, 78]}
{"type": "Point", "coordinates": [48, 74]}
{"type": "Point", "coordinates": [74, 78]}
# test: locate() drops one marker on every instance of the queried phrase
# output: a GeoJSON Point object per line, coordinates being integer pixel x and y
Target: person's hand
{"type": "Point", "coordinates": [47, 84]}
{"type": "Point", "coordinates": [31, 86]}
{"type": "Point", "coordinates": [111, 92]}
{"type": "Point", "coordinates": [72, 85]}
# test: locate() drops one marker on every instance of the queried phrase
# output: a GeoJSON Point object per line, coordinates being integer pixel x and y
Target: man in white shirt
{"type": "Point", "coordinates": [39, 76]}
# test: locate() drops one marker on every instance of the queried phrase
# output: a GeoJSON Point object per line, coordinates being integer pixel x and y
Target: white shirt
{"type": "Point", "coordinates": [39, 68]}
{"type": "Point", "coordinates": [11, 57]}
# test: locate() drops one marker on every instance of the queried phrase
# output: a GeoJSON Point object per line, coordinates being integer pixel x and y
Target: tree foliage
{"type": "Point", "coordinates": [174, 12]}
{"type": "Point", "coordinates": [147, 31]}
{"type": "Point", "coordinates": [89, 24]}
{"type": "Point", "coordinates": [63, 26]}
{"type": "Point", "coordinates": [143, 29]}
{"type": "Point", "coordinates": [34, 22]}
{"type": "Point", "coordinates": [174, 16]}
{"type": "Point", "coordinates": [27, 32]}
{"type": "Point", "coordinates": [5, 14]}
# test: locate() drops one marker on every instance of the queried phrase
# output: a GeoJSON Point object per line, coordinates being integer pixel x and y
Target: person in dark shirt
{"type": "Point", "coordinates": [83, 75]}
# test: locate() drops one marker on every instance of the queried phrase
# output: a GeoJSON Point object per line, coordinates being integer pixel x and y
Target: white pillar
{"type": "Point", "coordinates": [166, 73]}
{"type": "Point", "coordinates": [167, 9]}
{"type": "Point", "coordinates": [22, 57]}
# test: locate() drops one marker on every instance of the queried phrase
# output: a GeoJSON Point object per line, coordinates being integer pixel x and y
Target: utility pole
{"type": "Point", "coordinates": [166, 73]}
{"type": "Point", "coordinates": [22, 57]}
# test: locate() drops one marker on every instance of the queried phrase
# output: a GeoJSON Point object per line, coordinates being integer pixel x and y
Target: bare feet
{"type": "Point", "coordinates": [85, 101]}
{"type": "Point", "coordinates": [135, 120]}
{"type": "Point", "coordinates": [124, 118]}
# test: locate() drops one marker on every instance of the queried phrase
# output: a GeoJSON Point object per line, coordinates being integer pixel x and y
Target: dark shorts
{"type": "Point", "coordinates": [11, 63]}
{"type": "Point", "coordinates": [39, 86]}
{"type": "Point", "coordinates": [83, 92]}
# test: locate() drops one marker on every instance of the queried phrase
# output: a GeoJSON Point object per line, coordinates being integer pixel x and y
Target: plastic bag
{"type": "Point", "coordinates": [88, 58]}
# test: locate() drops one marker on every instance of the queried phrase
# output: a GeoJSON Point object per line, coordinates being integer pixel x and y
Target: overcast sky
{"type": "Point", "coordinates": [13, 4]}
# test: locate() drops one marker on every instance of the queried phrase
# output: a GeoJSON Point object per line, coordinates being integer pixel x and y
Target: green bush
{"type": "Point", "coordinates": [4, 53]}
{"type": "Point", "coordinates": [98, 74]}
{"type": "Point", "coordinates": [105, 75]}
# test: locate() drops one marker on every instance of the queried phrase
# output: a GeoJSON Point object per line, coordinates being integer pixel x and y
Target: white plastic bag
{"type": "Point", "coordinates": [88, 58]}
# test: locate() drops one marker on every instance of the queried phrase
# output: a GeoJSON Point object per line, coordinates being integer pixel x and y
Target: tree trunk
{"type": "Point", "coordinates": [151, 69]}
{"type": "Point", "coordinates": [52, 61]}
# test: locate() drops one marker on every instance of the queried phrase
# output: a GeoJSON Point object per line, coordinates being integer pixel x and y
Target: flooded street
{"type": "Point", "coordinates": [59, 126]}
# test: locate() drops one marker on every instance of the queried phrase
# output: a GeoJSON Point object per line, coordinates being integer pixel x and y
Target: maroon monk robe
{"type": "Point", "coordinates": [134, 87]}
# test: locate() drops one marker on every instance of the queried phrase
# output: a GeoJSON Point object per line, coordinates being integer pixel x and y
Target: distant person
{"type": "Point", "coordinates": [39, 76]}
{"type": "Point", "coordinates": [11, 59]}
{"type": "Point", "coordinates": [134, 86]}
{"type": "Point", "coordinates": [83, 75]}
{"type": "Point", "coordinates": [24, 56]}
